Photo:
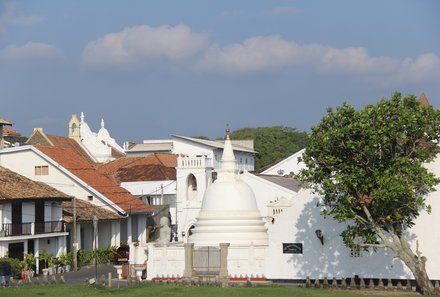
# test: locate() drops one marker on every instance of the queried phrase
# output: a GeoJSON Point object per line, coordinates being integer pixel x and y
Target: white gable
{"type": "Point", "coordinates": [286, 166]}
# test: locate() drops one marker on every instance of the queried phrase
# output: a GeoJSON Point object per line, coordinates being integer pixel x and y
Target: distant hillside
{"type": "Point", "coordinates": [272, 143]}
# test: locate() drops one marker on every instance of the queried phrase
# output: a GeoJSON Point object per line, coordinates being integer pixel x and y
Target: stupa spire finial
{"type": "Point", "coordinates": [228, 132]}
{"type": "Point", "coordinates": [228, 158]}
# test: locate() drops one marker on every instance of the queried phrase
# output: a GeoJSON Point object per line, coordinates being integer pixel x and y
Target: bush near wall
{"type": "Point", "coordinates": [16, 266]}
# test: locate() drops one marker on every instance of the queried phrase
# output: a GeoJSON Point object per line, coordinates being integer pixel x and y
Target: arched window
{"type": "Point", "coordinates": [191, 187]}
{"type": "Point", "coordinates": [73, 129]}
{"type": "Point", "coordinates": [190, 230]}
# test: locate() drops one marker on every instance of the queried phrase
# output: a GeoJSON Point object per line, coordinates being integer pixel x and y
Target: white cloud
{"type": "Point", "coordinates": [426, 67]}
{"type": "Point", "coordinates": [143, 43]}
{"type": "Point", "coordinates": [270, 53]}
{"type": "Point", "coordinates": [276, 11]}
{"type": "Point", "coordinates": [30, 51]}
{"type": "Point", "coordinates": [135, 47]}
{"type": "Point", "coordinates": [8, 17]}
{"type": "Point", "coordinates": [254, 54]}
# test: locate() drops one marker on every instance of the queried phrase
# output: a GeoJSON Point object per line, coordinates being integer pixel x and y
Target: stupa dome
{"type": "Point", "coordinates": [229, 212]}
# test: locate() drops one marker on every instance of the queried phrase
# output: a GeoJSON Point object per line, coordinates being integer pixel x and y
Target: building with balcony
{"type": "Point", "coordinates": [62, 163]}
{"type": "Point", "coordinates": [195, 147]}
{"type": "Point", "coordinates": [31, 218]}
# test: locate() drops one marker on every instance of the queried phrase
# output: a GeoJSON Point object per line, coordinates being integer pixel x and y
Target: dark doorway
{"type": "Point", "coordinates": [16, 250]}
{"type": "Point", "coordinates": [16, 218]}
{"type": "Point", "coordinates": [68, 240]}
{"type": "Point", "coordinates": [39, 217]}
{"type": "Point", "coordinates": [81, 236]}
{"type": "Point", "coordinates": [31, 246]}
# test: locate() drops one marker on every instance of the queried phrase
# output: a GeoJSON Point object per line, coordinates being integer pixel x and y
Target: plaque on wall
{"type": "Point", "coordinates": [292, 248]}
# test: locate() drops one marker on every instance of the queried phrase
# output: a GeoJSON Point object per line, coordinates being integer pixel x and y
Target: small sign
{"type": "Point", "coordinates": [292, 248]}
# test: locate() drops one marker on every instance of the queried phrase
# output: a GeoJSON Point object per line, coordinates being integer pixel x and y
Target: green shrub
{"type": "Point", "coordinates": [29, 261]}
{"type": "Point", "coordinates": [84, 258]}
{"type": "Point", "coordinates": [105, 255]}
{"type": "Point", "coordinates": [16, 266]}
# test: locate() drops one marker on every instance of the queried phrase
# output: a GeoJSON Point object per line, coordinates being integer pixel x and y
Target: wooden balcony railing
{"type": "Point", "coordinates": [9, 229]}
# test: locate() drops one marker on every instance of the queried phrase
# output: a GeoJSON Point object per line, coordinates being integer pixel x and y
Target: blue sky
{"type": "Point", "coordinates": [155, 68]}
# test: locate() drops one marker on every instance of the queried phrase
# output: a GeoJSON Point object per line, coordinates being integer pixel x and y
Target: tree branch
{"type": "Point", "coordinates": [373, 245]}
{"type": "Point", "coordinates": [378, 230]}
{"type": "Point", "coordinates": [361, 220]}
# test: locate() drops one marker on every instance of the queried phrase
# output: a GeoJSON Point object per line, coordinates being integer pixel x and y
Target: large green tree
{"type": "Point", "coordinates": [272, 143]}
{"type": "Point", "coordinates": [368, 167]}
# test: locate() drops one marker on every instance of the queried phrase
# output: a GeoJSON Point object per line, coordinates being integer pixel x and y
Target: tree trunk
{"type": "Point", "coordinates": [417, 266]}
{"type": "Point", "coordinates": [423, 281]}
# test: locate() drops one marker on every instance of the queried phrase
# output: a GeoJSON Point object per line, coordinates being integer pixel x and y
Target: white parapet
{"type": "Point", "coordinates": [165, 260]}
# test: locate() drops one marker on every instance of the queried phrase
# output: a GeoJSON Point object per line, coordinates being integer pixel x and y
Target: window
{"type": "Point", "coordinates": [90, 198]}
{"type": "Point", "coordinates": [41, 170]}
{"type": "Point", "coordinates": [191, 192]}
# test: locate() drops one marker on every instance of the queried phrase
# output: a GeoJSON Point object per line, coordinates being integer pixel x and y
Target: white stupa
{"type": "Point", "coordinates": [229, 212]}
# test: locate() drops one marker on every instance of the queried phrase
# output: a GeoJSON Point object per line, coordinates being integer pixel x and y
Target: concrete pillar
{"type": "Point", "coordinates": [37, 254]}
{"type": "Point", "coordinates": [61, 245]}
{"type": "Point", "coordinates": [188, 272]}
{"type": "Point", "coordinates": [142, 228]}
{"type": "Point", "coordinates": [25, 248]}
{"type": "Point", "coordinates": [78, 235]}
{"type": "Point", "coordinates": [129, 232]}
{"type": "Point", "coordinates": [113, 234]}
{"type": "Point", "coordinates": [224, 260]}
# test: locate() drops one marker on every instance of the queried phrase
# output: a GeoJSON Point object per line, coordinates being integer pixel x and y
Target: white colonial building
{"type": "Point", "coordinates": [267, 227]}
{"type": "Point", "coordinates": [101, 147]}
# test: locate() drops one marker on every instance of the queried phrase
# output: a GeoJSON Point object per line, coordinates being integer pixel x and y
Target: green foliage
{"type": "Point", "coordinates": [66, 259]}
{"type": "Point", "coordinates": [103, 255]}
{"type": "Point", "coordinates": [16, 266]}
{"type": "Point", "coordinates": [47, 258]}
{"type": "Point", "coordinates": [29, 261]}
{"type": "Point", "coordinates": [272, 143]}
{"type": "Point", "coordinates": [106, 255]}
{"type": "Point", "coordinates": [85, 258]}
{"type": "Point", "coordinates": [368, 166]}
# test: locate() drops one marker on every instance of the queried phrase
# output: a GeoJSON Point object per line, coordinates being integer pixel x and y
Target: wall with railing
{"type": "Point", "coordinates": [11, 229]}
{"type": "Point", "coordinates": [194, 162]}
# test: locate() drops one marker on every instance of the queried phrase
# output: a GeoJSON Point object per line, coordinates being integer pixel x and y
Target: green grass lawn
{"type": "Point", "coordinates": [156, 290]}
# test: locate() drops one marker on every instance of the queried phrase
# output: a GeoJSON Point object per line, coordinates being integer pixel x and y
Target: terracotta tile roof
{"type": "Point", "coordinates": [8, 132]}
{"type": "Point", "coordinates": [16, 186]}
{"type": "Point", "coordinates": [74, 161]}
{"type": "Point", "coordinates": [145, 173]}
{"type": "Point", "coordinates": [4, 121]}
{"type": "Point", "coordinates": [150, 168]}
{"type": "Point", "coordinates": [64, 142]}
{"type": "Point", "coordinates": [85, 212]}
{"type": "Point", "coordinates": [423, 100]}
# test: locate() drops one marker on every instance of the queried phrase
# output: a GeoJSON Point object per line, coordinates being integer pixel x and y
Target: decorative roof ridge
{"type": "Point", "coordinates": [41, 132]}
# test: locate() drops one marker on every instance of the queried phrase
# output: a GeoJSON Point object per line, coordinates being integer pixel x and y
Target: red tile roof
{"type": "Point", "coordinates": [16, 186]}
{"type": "Point", "coordinates": [8, 132]}
{"type": "Point", "coordinates": [4, 121]}
{"type": "Point", "coordinates": [150, 168]}
{"type": "Point", "coordinates": [68, 143]}
{"type": "Point", "coordinates": [85, 212]}
{"type": "Point", "coordinates": [69, 154]}
{"type": "Point", "coordinates": [423, 100]}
